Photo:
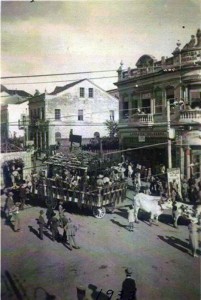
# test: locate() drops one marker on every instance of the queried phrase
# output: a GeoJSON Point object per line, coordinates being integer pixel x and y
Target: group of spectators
{"type": "Point", "coordinates": [54, 222]}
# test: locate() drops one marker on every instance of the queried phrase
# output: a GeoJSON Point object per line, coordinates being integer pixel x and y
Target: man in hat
{"type": "Point", "coordinates": [41, 223]}
{"type": "Point", "coordinates": [9, 204]}
{"type": "Point", "coordinates": [128, 291]}
{"type": "Point", "coordinates": [54, 223]}
{"type": "Point", "coordinates": [22, 194]}
{"type": "Point", "coordinates": [49, 215]}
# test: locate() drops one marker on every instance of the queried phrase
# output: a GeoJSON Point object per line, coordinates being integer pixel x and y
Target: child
{"type": "Point", "coordinates": [131, 218]}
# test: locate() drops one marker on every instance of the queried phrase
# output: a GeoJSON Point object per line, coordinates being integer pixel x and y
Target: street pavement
{"type": "Point", "coordinates": [159, 256]}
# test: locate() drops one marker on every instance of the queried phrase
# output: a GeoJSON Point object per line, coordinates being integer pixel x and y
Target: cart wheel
{"type": "Point", "coordinates": [99, 212]}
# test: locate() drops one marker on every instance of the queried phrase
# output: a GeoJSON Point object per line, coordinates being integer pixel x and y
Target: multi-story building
{"type": "Point", "coordinates": [14, 114]}
{"type": "Point", "coordinates": [80, 106]}
{"type": "Point", "coordinates": [146, 94]}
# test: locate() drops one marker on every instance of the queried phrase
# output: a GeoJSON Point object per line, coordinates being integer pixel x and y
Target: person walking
{"type": "Point", "coordinates": [71, 235]}
{"type": "Point", "coordinates": [193, 237]}
{"type": "Point", "coordinates": [131, 218]}
{"type": "Point", "coordinates": [54, 223]}
{"type": "Point", "coordinates": [16, 217]}
{"type": "Point", "coordinates": [41, 223]}
{"type": "Point", "coordinates": [61, 213]}
{"type": "Point", "coordinates": [128, 291]}
{"type": "Point", "coordinates": [49, 215]}
{"type": "Point", "coordinates": [22, 194]}
{"type": "Point", "coordinates": [9, 205]}
{"type": "Point", "coordinates": [65, 226]}
{"type": "Point", "coordinates": [174, 213]}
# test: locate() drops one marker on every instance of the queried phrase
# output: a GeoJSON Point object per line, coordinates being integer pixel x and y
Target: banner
{"type": "Point", "coordinates": [174, 181]}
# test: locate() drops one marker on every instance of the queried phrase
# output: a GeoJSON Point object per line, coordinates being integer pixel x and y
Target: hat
{"type": "Point", "coordinates": [10, 194]}
{"type": "Point", "coordinates": [41, 212]}
{"type": "Point", "coordinates": [100, 176]}
{"type": "Point", "coordinates": [128, 271]}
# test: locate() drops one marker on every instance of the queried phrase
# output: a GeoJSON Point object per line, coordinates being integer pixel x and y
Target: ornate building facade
{"type": "Point", "coordinates": [161, 100]}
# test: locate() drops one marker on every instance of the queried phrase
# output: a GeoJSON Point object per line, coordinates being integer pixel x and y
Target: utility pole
{"type": "Point", "coordinates": [169, 135]}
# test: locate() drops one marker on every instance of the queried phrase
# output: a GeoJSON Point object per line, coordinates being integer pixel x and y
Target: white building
{"type": "Point", "coordinates": [14, 113]}
{"type": "Point", "coordinates": [81, 106]}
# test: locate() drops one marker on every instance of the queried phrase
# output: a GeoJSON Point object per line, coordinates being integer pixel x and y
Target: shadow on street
{"type": "Point", "coordinates": [34, 231]}
{"type": "Point", "coordinates": [119, 224]}
{"type": "Point", "coordinates": [97, 294]}
{"type": "Point", "coordinates": [176, 243]}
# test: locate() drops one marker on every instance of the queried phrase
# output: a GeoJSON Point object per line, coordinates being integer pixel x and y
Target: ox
{"type": "Point", "coordinates": [187, 211]}
{"type": "Point", "coordinates": [151, 204]}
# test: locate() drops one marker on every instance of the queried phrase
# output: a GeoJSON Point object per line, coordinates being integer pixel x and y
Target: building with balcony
{"type": "Point", "coordinates": [147, 91]}
{"type": "Point", "coordinates": [80, 106]}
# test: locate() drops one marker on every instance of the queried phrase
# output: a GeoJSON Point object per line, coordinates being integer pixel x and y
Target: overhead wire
{"type": "Point", "coordinates": [92, 113]}
{"type": "Point", "coordinates": [56, 74]}
{"type": "Point", "coordinates": [68, 80]}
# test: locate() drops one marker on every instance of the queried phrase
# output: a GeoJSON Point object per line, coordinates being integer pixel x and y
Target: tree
{"type": "Point", "coordinates": [112, 128]}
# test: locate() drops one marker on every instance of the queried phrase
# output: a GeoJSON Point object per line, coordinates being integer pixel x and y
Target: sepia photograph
{"type": "Point", "coordinates": [100, 150]}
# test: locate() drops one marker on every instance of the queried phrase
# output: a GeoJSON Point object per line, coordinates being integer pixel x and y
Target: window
{"type": "Point", "coordinates": [57, 135]}
{"type": "Point", "coordinates": [57, 114]}
{"type": "Point", "coordinates": [91, 92]}
{"type": "Point", "coordinates": [158, 101]}
{"type": "Point", "coordinates": [170, 95]}
{"type": "Point", "coordinates": [134, 103]}
{"type": "Point", "coordinates": [38, 114]}
{"type": "Point", "coordinates": [82, 92]}
{"type": "Point", "coordinates": [43, 113]}
{"type": "Point", "coordinates": [112, 115]}
{"type": "Point", "coordinates": [195, 98]}
{"type": "Point", "coordinates": [80, 115]}
{"type": "Point", "coordinates": [124, 108]}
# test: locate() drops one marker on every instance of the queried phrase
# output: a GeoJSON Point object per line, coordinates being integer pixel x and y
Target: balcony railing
{"type": "Point", "coordinates": [189, 116]}
{"type": "Point", "coordinates": [142, 119]}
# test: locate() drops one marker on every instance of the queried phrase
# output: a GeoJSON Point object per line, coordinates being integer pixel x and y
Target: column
{"type": "Point", "coordinates": [153, 106]}
{"type": "Point", "coordinates": [186, 94]}
{"type": "Point", "coordinates": [44, 139]}
{"type": "Point", "coordinates": [188, 161]}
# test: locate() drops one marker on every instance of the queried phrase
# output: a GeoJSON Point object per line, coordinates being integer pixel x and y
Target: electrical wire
{"type": "Point", "coordinates": [94, 113]}
{"type": "Point", "coordinates": [68, 80]}
{"type": "Point", "coordinates": [57, 74]}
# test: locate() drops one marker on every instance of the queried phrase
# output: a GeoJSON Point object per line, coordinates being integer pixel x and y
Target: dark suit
{"type": "Point", "coordinates": [54, 228]}
{"type": "Point", "coordinates": [128, 291]}
{"type": "Point", "coordinates": [41, 223]}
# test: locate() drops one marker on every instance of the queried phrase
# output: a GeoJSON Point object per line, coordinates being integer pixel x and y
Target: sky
{"type": "Point", "coordinates": [54, 37]}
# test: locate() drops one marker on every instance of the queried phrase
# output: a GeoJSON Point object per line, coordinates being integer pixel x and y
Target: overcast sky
{"type": "Point", "coordinates": [75, 36]}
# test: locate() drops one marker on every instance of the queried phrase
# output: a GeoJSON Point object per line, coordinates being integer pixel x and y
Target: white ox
{"type": "Point", "coordinates": [151, 204]}
{"type": "Point", "coordinates": [187, 211]}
